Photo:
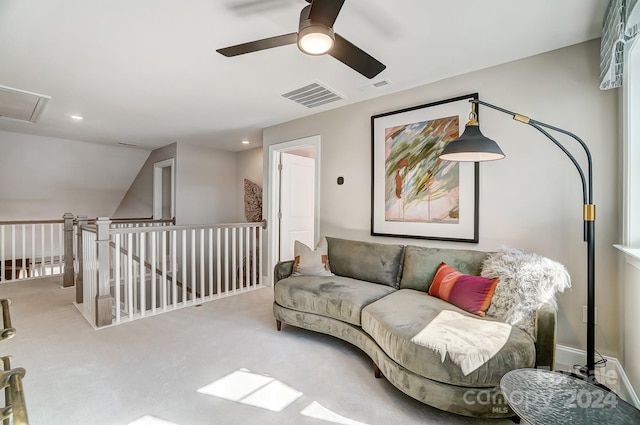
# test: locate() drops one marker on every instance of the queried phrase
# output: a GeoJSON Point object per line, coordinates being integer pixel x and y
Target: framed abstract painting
{"type": "Point", "coordinates": [414, 194]}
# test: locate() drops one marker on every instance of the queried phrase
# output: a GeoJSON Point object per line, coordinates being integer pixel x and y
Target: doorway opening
{"type": "Point", "coordinates": [293, 210]}
{"type": "Point", "coordinates": [164, 190]}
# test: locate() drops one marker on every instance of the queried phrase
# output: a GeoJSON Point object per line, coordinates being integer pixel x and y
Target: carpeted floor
{"type": "Point", "coordinates": [155, 367]}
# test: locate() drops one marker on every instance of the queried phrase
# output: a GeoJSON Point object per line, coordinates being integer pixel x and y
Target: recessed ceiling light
{"type": "Point", "coordinates": [245, 142]}
{"type": "Point", "coordinates": [76, 117]}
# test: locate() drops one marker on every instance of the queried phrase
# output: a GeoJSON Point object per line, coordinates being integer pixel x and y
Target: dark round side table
{"type": "Point", "coordinates": [540, 396]}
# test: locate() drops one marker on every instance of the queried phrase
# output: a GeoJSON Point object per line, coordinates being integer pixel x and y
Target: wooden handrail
{"type": "Point", "coordinates": [31, 222]}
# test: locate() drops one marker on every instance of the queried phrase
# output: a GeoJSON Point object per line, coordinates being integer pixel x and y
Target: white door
{"type": "Point", "coordinates": [297, 203]}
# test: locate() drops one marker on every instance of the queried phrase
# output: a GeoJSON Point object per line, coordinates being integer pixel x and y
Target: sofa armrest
{"type": "Point", "coordinates": [545, 329]}
{"type": "Point", "coordinates": [282, 270]}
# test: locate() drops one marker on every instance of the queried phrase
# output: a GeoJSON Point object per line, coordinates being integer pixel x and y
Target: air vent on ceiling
{"type": "Point", "coordinates": [375, 85]}
{"type": "Point", "coordinates": [313, 95]}
{"type": "Point", "coordinates": [380, 83]}
{"type": "Point", "coordinates": [21, 105]}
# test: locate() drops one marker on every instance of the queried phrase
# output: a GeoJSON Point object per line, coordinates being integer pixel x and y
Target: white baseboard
{"type": "Point", "coordinates": [613, 371]}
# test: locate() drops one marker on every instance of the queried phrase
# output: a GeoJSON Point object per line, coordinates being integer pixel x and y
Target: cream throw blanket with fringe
{"type": "Point", "coordinates": [469, 342]}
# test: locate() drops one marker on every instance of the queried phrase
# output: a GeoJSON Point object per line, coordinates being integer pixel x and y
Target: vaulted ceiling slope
{"type": "Point", "coordinates": [146, 72]}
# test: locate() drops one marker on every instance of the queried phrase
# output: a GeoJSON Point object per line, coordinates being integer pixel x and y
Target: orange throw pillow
{"type": "Point", "coordinates": [470, 293]}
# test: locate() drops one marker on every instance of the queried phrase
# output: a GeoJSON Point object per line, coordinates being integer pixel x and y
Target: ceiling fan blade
{"type": "Point", "coordinates": [325, 11]}
{"type": "Point", "coordinates": [356, 58]}
{"type": "Point", "coordinates": [254, 46]}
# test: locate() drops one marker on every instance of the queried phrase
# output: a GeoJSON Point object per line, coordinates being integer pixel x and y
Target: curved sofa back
{"type": "Point", "coordinates": [421, 264]}
{"type": "Point", "coordinates": [398, 266]}
{"type": "Point", "coordinates": [368, 261]}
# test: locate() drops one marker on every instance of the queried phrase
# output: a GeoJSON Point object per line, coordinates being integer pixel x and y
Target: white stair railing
{"type": "Point", "coordinates": [152, 269]}
{"type": "Point", "coordinates": [31, 248]}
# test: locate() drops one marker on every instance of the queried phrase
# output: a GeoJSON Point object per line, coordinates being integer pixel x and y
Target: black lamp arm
{"type": "Point", "coordinates": [587, 186]}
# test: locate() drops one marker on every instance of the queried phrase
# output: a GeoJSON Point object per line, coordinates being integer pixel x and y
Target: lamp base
{"type": "Point", "coordinates": [583, 375]}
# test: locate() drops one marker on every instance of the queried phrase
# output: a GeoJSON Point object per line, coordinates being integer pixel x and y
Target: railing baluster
{"type": "Point", "coordinates": [194, 281]}
{"type": "Point", "coordinates": [254, 255]}
{"type": "Point", "coordinates": [116, 277]}
{"type": "Point", "coordinates": [201, 265]}
{"type": "Point", "coordinates": [234, 254]}
{"type": "Point", "coordinates": [23, 267]}
{"type": "Point", "coordinates": [248, 260]}
{"type": "Point", "coordinates": [51, 253]}
{"type": "Point", "coordinates": [2, 269]}
{"type": "Point", "coordinates": [163, 253]}
{"type": "Point", "coordinates": [13, 251]}
{"type": "Point", "coordinates": [60, 246]}
{"type": "Point", "coordinates": [174, 266]}
{"type": "Point", "coordinates": [33, 251]}
{"type": "Point", "coordinates": [44, 255]}
{"type": "Point", "coordinates": [218, 258]}
{"type": "Point", "coordinates": [153, 276]}
{"type": "Point", "coordinates": [143, 278]}
{"type": "Point", "coordinates": [241, 269]}
{"type": "Point", "coordinates": [226, 261]}
{"type": "Point", "coordinates": [210, 263]}
{"type": "Point", "coordinates": [185, 281]}
{"type": "Point", "coordinates": [130, 275]}
{"type": "Point", "coordinates": [259, 262]}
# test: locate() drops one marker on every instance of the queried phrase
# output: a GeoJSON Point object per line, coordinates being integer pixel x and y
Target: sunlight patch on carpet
{"type": "Point", "coordinates": [246, 387]}
{"type": "Point", "coordinates": [317, 411]}
{"type": "Point", "coordinates": [150, 420]}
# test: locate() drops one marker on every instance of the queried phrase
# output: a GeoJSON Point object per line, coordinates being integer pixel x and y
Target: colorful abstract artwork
{"type": "Point", "coordinates": [420, 186]}
{"type": "Point", "coordinates": [415, 193]}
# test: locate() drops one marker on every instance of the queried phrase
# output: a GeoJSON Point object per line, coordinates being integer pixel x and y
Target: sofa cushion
{"type": "Point", "coordinates": [368, 261]}
{"type": "Point", "coordinates": [337, 297]}
{"type": "Point", "coordinates": [421, 264]}
{"type": "Point", "coordinates": [393, 320]}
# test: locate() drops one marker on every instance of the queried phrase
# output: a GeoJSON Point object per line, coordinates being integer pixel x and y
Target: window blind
{"type": "Point", "coordinates": [621, 25]}
{"type": "Point", "coordinates": [632, 19]}
{"type": "Point", "coordinates": [612, 46]}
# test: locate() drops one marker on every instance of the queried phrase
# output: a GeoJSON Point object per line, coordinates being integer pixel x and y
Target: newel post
{"type": "Point", "coordinates": [104, 300]}
{"type": "Point", "coordinates": [81, 221]}
{"type": "Point", "coordinates": [67, 279]}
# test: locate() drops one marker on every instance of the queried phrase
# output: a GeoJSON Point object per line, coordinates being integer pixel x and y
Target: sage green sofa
{"type": "Point", "coordinates": [378, 301]}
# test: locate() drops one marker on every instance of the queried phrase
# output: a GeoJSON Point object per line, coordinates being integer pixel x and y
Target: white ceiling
{"type": "Point", "coordinates": [146, 72]}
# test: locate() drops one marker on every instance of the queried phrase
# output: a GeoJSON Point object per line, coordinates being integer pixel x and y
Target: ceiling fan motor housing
{"type": "Point", "coordinates": [314, 38]}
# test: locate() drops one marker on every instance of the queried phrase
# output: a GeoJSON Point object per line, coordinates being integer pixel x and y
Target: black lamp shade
{"type": "Point", "coordinates": [472, 146]}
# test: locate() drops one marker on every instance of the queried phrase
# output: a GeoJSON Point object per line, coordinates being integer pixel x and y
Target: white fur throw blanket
{"type": "Point", "coordinates": [468, 341]}
{"type": "Point", "coordinates": [526, 282]}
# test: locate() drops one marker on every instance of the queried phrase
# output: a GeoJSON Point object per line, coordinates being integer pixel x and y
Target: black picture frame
{"type": "Point", "coordinates": [413, 192]}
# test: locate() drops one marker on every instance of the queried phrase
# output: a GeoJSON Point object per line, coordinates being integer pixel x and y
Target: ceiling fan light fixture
{"type": "Point", "coordinates": [315, 39]}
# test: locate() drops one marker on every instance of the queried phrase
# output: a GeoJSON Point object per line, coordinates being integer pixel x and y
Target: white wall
{"type": "Point", "coordinates": [532, 199]}
{"type": "Point", "coordinates": [249, 167]}
{"type": "Point", "coordinates": [206, 190]}
{"type": "Point", "coordinates": [44, 177]}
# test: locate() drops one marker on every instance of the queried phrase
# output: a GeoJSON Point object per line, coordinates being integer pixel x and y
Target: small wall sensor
{"type": "Point", "coordinates": [340, 180]}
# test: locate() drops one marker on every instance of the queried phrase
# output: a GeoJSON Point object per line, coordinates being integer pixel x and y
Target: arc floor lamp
{"type": "Point", "coordinates": [473, 146]}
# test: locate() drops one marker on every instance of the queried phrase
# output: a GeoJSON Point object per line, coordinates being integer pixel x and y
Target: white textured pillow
{"type": "Point", "coordinates": [527, 281]}
{"type": "Point", "coordinates": [310, 262]}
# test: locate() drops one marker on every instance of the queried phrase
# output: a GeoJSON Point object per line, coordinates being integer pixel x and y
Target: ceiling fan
{"type": "Point", "coordinates": [315, 36]}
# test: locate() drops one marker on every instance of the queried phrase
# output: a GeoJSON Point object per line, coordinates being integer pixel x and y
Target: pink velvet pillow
{"type": "Point", "coordinates": [471, 293]}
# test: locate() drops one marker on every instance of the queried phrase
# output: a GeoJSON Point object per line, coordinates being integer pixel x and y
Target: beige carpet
{"type": "Point", "coordinates": [247, 373]}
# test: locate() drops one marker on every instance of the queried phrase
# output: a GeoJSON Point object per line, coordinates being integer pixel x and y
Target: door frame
{"type": "Point", "coordinates": [157, 187]}
{"type": "Point", "coordinates": [273, 242]}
